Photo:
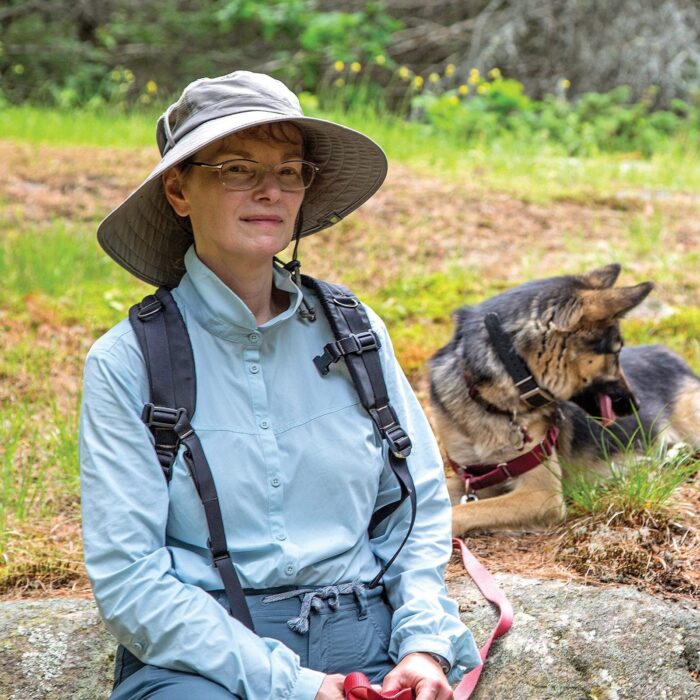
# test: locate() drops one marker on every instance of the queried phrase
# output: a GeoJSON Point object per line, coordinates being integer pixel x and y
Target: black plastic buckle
{"type": "Point", "coordinates": [355, 343]}
{"type": "Point", "coordinates": [217, 556]}
{"type": "Point", "coordinates": [386, 420]}
{"type": "Point", "coordinates": [149, 309]}
{"type": "Point", "coordinates": [161, 417]}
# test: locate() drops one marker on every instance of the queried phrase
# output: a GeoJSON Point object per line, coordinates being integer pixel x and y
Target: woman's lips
{"type": "Point", "coordinates": [262, 219]}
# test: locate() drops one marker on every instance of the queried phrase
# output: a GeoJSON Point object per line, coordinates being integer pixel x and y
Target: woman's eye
{"type": "Point", "coordinates": [238, 168]}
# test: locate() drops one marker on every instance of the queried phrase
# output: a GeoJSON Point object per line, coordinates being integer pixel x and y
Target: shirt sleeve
{"type": "Point", "coordinates": [425, 618]}
{"type": "Point", "coordinates": [160, 619]}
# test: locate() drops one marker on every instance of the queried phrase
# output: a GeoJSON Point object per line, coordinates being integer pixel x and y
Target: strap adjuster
{"type": "Point", "coordinates": [387, 422]}
{"type": "Point", "coordinates": [151, 308]}
{"type": "Point", "coordinates": [355, 343]}
{"type": "Point", "coordinates": [161, 417]}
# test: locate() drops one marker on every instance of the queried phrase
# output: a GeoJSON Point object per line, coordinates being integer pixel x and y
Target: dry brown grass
{"type": "Point", "coordinates": [414, 226]}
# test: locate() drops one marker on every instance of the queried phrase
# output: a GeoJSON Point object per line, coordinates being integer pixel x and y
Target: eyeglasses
{"type": "Point", "coordinates": [243, 174]}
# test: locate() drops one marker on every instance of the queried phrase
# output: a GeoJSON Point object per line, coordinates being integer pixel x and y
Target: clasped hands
{"type": "Point", "coordinates": [418, 671]}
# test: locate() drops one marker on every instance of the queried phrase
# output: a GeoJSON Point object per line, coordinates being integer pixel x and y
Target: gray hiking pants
{"type": "Point", "coordinates": [354, 636]}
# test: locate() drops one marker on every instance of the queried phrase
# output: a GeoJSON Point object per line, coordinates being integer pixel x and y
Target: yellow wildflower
{"type": "Point", "coordinates": [418, 82]}
{"type": "Point", "coordinates": [339, 65]}
{"type": "Point", "coordinates": [128, 76]}
{"type": "Point", "coordinates": [151, 87]}
{"type": "Point", "coordinates": [355, 66]}
{"type": "Point", "coordinates": [434, 78]}
{"type": "Point", "coordinates": [483, 88]}
{"type": "Point", "coordinates": [115, 75]}
{"type": "Point", "coordinates": [453, 100]}
{"type": "Point", "coordinates": [474, 76]}
{"type": "Point", "coordinates": [145, 99]}
{"type": "Point", "coordinates": [463, 90]}
{"type": "Point", "coordinates": [495, 74]}
{"type": "Point", "coordinates": [450, 70]}
{"type": "Point", "coordinates": [565, 84]}
{"type": "Point", "coordinates": [380, 60]}
{"type": "Point", "coordinates": [339, 82]}
{"type": "Point", "coordinates": [18, 69]}
{"type": "Point", "coordinates": [404, 73]}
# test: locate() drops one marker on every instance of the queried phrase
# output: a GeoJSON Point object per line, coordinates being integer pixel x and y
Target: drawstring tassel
{"type": "Point", "coordinates": [306, 311]}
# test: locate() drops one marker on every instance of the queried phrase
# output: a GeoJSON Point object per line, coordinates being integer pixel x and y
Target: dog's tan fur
{"type": "Point", "coordinates": [555, 332]}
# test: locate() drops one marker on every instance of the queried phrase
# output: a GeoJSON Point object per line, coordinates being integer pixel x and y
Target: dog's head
{"type": "Point", "coordinates": [566, 329]}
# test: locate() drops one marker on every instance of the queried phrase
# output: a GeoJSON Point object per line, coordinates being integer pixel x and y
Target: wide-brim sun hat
{"type": "Point", "coordinates": [145, 235]}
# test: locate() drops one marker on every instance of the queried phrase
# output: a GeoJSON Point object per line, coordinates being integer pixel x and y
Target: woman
{"type": "Point", "coordinates": [298, 467]}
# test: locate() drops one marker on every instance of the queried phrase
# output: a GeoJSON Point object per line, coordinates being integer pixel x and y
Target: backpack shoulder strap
{"type": "Point", "coordinates": [167, 351]}
{"type": "Point", "coordinates": [165, 345]}
{"type": "Point", "coordinates": [358, 344]}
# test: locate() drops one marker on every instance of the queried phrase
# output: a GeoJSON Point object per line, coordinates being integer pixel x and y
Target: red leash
{"type": "Point", "coordinates": [486, 583]}
{"type": "Point", "coordinates": [358, 687]}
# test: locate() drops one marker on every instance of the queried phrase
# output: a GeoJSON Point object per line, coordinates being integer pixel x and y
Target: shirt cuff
{"type": "Point", "coordinates": [307, 685]}
{"type": "Point", "coordinates": [427, 643]}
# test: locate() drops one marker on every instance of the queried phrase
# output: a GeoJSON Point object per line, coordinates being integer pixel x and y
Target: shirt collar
{"type": "Point", "coordinates": [220, 310]}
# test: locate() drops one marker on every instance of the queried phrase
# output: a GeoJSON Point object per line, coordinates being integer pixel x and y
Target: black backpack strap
{"type": "Point", "coordinates": [167, 351]}
{"type": "Point", "coordinates": [358, 344]}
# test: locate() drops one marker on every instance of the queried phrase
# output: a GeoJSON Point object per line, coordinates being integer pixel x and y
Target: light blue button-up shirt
{"type": "Point", "coordinates": [299, 469]}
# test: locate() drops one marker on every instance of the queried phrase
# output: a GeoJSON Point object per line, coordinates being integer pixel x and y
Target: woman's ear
{"type": "Point", "coordinates": [172, 186]}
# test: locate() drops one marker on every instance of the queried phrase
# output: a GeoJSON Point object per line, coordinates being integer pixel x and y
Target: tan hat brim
{"type": "Point", "coordinates": [145, 235]}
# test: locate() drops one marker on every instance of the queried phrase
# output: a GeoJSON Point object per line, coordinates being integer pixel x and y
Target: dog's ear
{"type": "Point", "coordinates": [602, 277]}
{"type": "Point", "coordinates": [608, 304]}
{"type": "Point", "coordinates": [596, 305]}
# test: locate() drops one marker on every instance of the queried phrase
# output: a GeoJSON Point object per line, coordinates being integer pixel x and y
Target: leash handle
{"type": "Point", "coordinates": [358, 687]}
{"type": "Point", "coordinates": [486, 583]}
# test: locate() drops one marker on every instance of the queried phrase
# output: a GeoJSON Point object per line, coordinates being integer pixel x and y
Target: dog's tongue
{"type": "Point", "coordinates": [606, 409]}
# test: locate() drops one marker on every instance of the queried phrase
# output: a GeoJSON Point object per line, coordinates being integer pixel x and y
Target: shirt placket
{"type": "Point", "coordinates": [260, 403]}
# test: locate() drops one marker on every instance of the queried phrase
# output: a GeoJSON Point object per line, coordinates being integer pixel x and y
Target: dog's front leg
{"type": "Point", "coordinates": [536, 501]}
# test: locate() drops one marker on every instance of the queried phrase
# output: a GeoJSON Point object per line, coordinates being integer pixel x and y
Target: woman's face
{"type": "Point", "coordinates": [231, 226]}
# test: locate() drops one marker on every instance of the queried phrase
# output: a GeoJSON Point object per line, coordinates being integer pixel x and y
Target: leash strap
{"type": "Point", "coordinates": [358, 687]}
{"type": "Point", "coordinates": [486, 583]}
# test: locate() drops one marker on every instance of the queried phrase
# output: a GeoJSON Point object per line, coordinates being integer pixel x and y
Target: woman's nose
{"type": "Point", "coordinates": [268, 187]}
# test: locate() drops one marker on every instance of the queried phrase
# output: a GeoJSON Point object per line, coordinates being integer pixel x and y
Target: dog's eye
{"type": "Point", "coordinates": [608, 344]}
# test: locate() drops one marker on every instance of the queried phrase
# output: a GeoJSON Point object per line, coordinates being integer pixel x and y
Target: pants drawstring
{"type": "Point", "coordinates": [313, 599]}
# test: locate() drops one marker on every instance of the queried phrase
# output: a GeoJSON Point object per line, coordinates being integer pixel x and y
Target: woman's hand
{"type": "Point", "coordinates": [331, 688]}
{"type": "Point", "coordinates": [422, 673]}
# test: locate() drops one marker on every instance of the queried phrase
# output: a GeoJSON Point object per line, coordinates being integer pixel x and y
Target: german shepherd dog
{"type": "Point", "coordinates": [539, 373]}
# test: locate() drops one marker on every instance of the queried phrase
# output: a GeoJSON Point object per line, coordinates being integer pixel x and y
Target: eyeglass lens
{"type": "Point", "coordinates": [245, 174]}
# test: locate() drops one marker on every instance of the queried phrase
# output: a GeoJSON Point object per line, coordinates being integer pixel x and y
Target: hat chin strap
{"type": "Point", "coordinates": [306, 311]}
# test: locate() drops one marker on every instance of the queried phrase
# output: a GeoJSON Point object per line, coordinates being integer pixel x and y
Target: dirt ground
{"type": "Point", "coordinates": [429, 221]}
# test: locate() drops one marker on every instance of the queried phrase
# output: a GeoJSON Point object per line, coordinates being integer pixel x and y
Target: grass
{"type": "Point", "coordinates": [645, 473]}
{"type": "Point", "coordinates": [458, 223]}
{"type": "Point", "coordinates": [539, 171]}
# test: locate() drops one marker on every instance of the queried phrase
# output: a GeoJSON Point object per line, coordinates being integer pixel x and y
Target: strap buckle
{"type": "Point", "coordinates": [387, 422]}
{"type": "Point", "coordinates": [161, 417]}
{"type": "Point", "coordinates": [355, 343]}
{"type": "Point", "coordinates": [149, 309]}
{"type": "Point", "coordinates": [542, 397]}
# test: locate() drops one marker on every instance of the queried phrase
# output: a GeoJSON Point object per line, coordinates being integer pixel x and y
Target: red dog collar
{"type": "Point", "coordinates": [481, 476]}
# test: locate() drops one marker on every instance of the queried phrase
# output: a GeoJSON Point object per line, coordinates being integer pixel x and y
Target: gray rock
{"type": "Point", "coordinates": [55, 649]}
{"type": "Point", "coordinates": [568, 642]}
{"type": "Point", "coordinates": [574, 642]}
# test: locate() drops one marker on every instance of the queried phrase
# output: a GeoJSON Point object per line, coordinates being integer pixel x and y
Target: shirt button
{"type": "Point", "coordinates": [289, 570]}
{"type": "Point", "coordinates": [275, 482]}
{"type": "Point", "coordinates": [254, 369]}
{"type": "Point", "coordinates": [281, 537]}
{"type": "Point", "coordinates": [264, 424]}
{"type": "Point", "coordinates": [254, 337]}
